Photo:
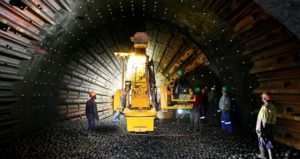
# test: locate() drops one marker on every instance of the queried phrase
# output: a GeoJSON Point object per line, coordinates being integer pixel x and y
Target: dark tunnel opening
{"type": "Point", "coordinates": [52, 53]}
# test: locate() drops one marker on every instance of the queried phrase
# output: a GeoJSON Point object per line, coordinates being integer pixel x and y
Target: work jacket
{"type": "Point", "coordinates": [198, 101]}
{"type": "Point", "coordinates": [224, 103]}
{"type": "Point", "coordinates": [91, 109]}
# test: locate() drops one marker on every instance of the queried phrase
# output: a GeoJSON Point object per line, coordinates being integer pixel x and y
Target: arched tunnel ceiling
{"type": "Point", "coordinates": [54, 52]}
{"type": "Point", "coordinates": [169, 49]}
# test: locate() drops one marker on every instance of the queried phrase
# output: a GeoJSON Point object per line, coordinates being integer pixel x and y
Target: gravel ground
{"type": "Point", "coordinates": [171, 139]}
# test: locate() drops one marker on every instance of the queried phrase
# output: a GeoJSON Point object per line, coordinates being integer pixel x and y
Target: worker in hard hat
{"type": "Point", "coordinates": [91, 112]}
{"type": "Point", "coordinates": [195, 112]}
{"type": "Point", "coordinates": [266, 120]}
{"type": "Point", "coordinates": [204, 108]}
{"type": "Point", "coordinates": [224, 106]}
{"type": "Point", "coordinates": [124, 101]}
{"type": "Point", "coordinates": [212, 104]}
{"type": "Point", "coordinates": [181, 85]}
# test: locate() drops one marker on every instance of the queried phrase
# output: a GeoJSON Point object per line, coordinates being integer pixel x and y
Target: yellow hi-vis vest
{"type": "Point", "coordinates": [266, 119]}
{"type": "Point", "coordinates": [267, 114]}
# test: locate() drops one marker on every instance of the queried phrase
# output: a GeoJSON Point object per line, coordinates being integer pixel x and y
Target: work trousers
{"type": "Point", "coordinates": [266, 142]}
{"type": "Point", "coordinates": [194, 118]}
{"type": "Point", "coordinates": [116, 116]}
{"type": "Point", "coordinates": [226, 121]}
{"type": "Point", "coordinates": [91, 123]}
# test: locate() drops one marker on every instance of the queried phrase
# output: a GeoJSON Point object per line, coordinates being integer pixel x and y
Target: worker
{"type": "Point", "coordinates": [181, 84]}
{"type": "Point", "coordinates": [212, 104]}
{"type": "Point", "coordinates": [224, 106]}
{"type": "Point", "coordinates": [266, 120]}
{"type": "Point", "coordinates": [91, 113]}
{"type": "Point", "coordinates": [116, 116]}
{"type": "Point", "coordinates": [152, 82]}
{"type": "Point", "coordinates": [195, 112]}
{"type": "Point", "coordinates": [124, 102]}
{"type": "Point", "coordinates": [203, 115]}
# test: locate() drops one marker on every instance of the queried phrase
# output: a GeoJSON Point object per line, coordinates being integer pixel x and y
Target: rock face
{"type": "Point", "coordinates": [69, 139]}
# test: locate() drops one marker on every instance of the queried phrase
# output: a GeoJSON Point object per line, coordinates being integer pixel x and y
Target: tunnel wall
{"type": "Point", "coordinates": [252, 52]}
{"type": "Point", "coordinates": [92, 68]}
{"type": "Point", "coordinates": [29, 85]}
{"type": "Point", "coordinates": [274, 61]}
{"type": "Point", "coordinates": [285, 11]}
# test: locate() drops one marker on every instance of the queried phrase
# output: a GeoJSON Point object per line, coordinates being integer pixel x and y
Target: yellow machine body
{"type": "Point", "coordinates": [140, 120]}
{"type": "Point", "coordinates": [137, 74]}
{"type": "Point", "coordinates": [138, 112]}
{"type": "Point", "coordinates": [117, 105]}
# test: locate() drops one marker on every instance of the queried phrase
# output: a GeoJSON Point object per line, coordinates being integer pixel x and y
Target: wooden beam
{"type": "Point", "coordinates": [282, 61]}
{"type": "Point", "coordinates": [40, 9]}
{"type": "Point", "coordinates": [19, 24]}
{"type": "Point", "coordinates": [15, 38]}
{"type": "Point", "coordinates": [65, 5]}
{"type": "Point", "coordinates": [53, 5]}
{"type": "Point", "coordinates": [27, 15]}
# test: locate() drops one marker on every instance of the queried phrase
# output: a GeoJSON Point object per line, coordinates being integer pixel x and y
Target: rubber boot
{"type": "Point", "coordinates": [262, 154]}
{"type": "Point", "coordinates": [271, 154]}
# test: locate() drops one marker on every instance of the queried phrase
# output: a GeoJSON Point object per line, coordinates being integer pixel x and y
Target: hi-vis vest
{"type": "Point", "coordinates": [267, 114]}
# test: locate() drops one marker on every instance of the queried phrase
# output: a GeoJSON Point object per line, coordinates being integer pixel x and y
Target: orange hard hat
{"type": "Point", "coordinates": [92, 94]}
{"type": "Point", "coordinates": [266, 95]}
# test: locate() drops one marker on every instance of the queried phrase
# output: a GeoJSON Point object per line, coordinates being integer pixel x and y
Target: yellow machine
{"type": "Point", "coordinates": [166, 97]}
{"type": "Point", "coordinates": [138, 99]}
{"type": "Point", "coordinates": [168, 103]}
{"type": "Point", "coordinates": [135, 99]}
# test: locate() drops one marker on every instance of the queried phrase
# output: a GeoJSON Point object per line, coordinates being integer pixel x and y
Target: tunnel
{"type": "Point", "coordinates": [54, 52]}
